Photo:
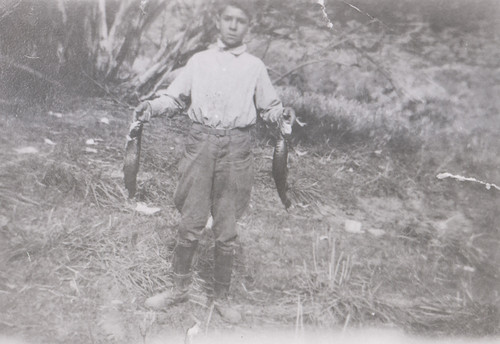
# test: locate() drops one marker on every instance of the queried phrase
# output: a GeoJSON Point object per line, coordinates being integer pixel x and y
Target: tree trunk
{"type": "Point", "coordinates": [99, 39]}
{"type": "Point", "coordinates": [174, 54]}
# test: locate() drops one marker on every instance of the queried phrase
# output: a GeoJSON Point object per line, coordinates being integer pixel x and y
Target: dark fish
{"type": "Point", "coordinates": [280, 169]}
{"type": "Point", "coordinates": [132, 155]}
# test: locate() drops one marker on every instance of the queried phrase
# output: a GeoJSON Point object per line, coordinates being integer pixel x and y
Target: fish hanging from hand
{"type": "Point", "coordinates": [280, 169]}
{"type": "Point", "coordinates": [132, 156]}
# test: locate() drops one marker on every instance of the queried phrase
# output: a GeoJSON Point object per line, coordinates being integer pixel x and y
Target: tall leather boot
{"type": "Point", "coordinates": [181, 276]}
{"type": "Point", "coordinates": [223, 268]}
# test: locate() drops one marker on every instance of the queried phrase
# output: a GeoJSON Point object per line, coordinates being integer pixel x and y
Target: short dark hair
{"type": "Point", "coordinates": [245, 6]}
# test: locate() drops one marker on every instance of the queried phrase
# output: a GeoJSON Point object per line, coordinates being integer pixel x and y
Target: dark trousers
{"type": "Point", "coordinates": [216, 177]}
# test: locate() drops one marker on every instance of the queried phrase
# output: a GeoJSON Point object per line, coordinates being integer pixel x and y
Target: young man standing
{"type": "Point", "coordinates": [228, 87]}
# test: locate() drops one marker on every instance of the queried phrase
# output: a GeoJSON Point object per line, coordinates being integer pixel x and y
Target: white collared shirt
{"type": "Point", "coordinates": [227, 87]}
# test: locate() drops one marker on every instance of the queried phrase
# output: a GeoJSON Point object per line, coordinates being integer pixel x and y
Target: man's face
{"type": "Point", "coordinates": [233, 25]}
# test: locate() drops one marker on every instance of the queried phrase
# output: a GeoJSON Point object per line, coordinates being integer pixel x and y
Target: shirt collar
{"type": "Point", "coordinates": [235, 51]}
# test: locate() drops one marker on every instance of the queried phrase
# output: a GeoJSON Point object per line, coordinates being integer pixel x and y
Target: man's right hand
{"type": "Point", "coordinates": [286, 120]}
{"type": "Point", "coordinates": [143, 112]}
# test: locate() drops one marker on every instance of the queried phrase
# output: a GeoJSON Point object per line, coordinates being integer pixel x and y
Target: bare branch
{"type": "Point", "coordinates": [397, 88]}
{"type": "Point", "coordinates": [108, 92]}
{"type": "Point", "coordinates": [62, 9]}
{"type": "Point", "coordinates": [343, 38]}
{"type": "Point", "coordinates": [29, 70]}
{"type": "Point", "coordinates": [357, 9]}
{"type": "Point", "coordinates": [7, 10]}
{"type": "Point", "coordinates": [302, 65]}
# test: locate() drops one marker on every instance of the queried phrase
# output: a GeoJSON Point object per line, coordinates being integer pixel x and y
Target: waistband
{"type": "Point", "coordinates": [220, 132]}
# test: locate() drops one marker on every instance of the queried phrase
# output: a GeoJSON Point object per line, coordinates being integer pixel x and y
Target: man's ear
{"type": "Point", "coordinates": [217, 21]}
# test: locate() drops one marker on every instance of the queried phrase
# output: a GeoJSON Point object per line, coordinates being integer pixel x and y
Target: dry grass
{"type": "Point", "coordinates": [78, 261]}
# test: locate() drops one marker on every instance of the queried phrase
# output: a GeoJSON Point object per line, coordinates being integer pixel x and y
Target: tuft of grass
{"type": "Point", "coordinates": [341, 122]}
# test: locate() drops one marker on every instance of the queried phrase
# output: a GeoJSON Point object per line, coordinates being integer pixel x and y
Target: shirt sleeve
{"type": "Point", "coordinates": [173, 98]}
{"type": "Point", "coordinates": [267, 103]}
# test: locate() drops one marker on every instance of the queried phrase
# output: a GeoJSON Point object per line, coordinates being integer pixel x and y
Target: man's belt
{"type": "Point", "coordinates": [220, 132]}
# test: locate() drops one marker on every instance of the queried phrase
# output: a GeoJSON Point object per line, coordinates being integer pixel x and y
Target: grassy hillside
{"type": "Point", "coordinates": [78, 261]}
{"type": "Point", "coordinates": [384, 114]}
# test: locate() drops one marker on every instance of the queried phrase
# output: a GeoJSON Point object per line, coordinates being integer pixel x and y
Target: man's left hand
{"type": "Point", "coordinates": [286, 121]}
